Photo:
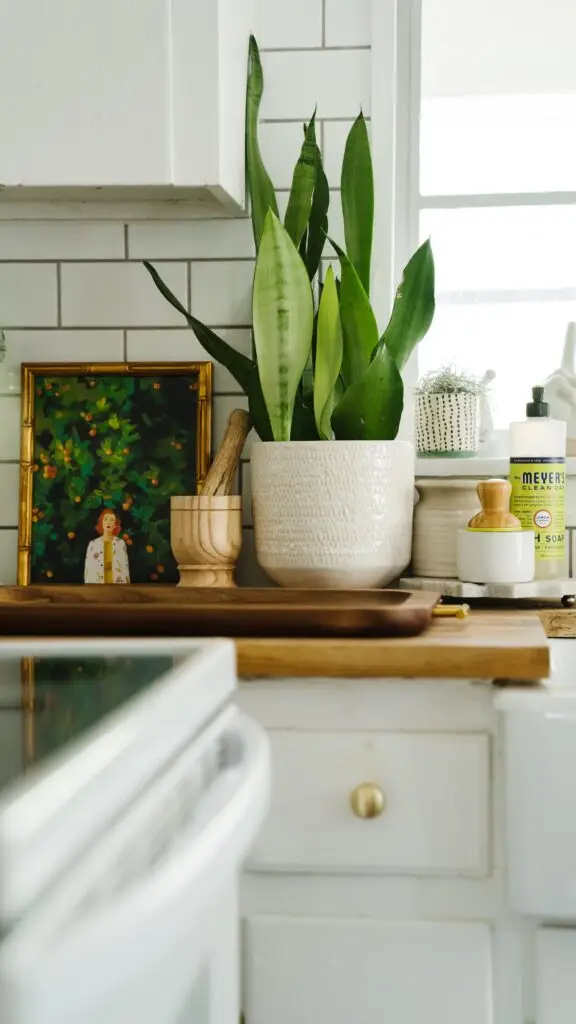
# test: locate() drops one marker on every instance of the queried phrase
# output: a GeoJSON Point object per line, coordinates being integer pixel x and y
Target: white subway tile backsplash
{"type": "Point", "coordinates": [348, 22]}
{"type": "Point", "coordinates": [222, 293]}
{"type": "Point", "coordinates": [37, 346]}
{"type": "Point", "coordinates": [107, 307]}
{"type": "Point", "coordinates": [283, 25]}
{"type": "Point", "coordinates": [61, 240]}
{"type": "Point", "coordinates": [8, 556]}
{"type": "Point", "coordinates": [337, 81]}
{"type": "Point", "coordinates": [189, 240]}
{"type": "Point", "coordinates": [9, 495]}
{"type": "Point", "coordinates": [119, 295]}
{"type": "Point", "coordinates": [10, 433]}
{"type": "Point", "coordinates": [28, 295]}
{"type": "Point", "coordinates": [280, 145]}
{"type": "Point", "coordinates": [183, 346]}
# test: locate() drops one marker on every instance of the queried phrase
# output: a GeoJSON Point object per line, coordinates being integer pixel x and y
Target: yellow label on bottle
{"type": "Point", "coordinates": [537, 499]}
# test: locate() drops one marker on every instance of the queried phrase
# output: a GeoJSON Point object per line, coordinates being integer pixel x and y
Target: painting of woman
{"type": "Point", "coordinates": [107, 555]}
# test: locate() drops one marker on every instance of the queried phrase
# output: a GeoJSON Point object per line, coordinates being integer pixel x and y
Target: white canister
{"type": "Point", "coordinates": [445, 506]}
{"type": "Point", "coordinates": [496, 556]}
{"type": "Point", "coordinates": [447, 423]}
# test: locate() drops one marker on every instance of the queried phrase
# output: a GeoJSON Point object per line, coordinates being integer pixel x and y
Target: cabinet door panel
{"type": "Point", "coordinates": [435, 820]}
{"type": "Point", "coordinates": [84, 92]}
{"type": "Point", "coordinates": [338, 971]}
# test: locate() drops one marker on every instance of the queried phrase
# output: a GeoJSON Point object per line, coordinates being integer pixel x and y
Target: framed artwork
{"type": "Point", "coordinates": [103, 448]}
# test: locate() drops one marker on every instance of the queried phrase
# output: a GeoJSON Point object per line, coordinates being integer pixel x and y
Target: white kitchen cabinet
{"type": "Point", "coordinates": [123, 99]}
{"type": "Point", "coordinates": [339, 970]}
{"type": "Point", "coordinates": [435, 820]}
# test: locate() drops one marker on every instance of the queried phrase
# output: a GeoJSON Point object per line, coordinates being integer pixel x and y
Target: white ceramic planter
{"type": "Point", "coordinates": [333, 513]}
{"type": "Point", "coordinates": [447, 423]}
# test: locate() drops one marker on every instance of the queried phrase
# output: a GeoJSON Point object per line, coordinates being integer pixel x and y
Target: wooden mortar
{"type": "Point", "coordinates": [206, 529]}
{"type": "Point", "coordinates": [206, 536]}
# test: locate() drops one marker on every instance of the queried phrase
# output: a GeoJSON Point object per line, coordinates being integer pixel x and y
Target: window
{"type": "Point", "coordinates": [497, 187]}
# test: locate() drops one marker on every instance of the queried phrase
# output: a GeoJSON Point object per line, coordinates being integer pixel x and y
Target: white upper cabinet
{"type": "Point", "coordinates": [124, 98]}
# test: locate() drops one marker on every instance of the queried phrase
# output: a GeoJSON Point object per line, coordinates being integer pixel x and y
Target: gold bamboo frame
{"type": "Point", "coordinates": [32, 370]}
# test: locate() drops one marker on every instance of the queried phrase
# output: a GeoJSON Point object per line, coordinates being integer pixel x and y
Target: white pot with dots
{"type": "Point", "coordinates": [447, 424]}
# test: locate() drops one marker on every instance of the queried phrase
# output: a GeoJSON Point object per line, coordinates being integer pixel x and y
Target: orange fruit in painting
{"type": "Point", "coordinates": [34, 519]}
{"type": "Point", "coordinates": [71, 535]}
{"type": "Point", "coordinates": [126, 451]}
{"type": "Point", "coordinates": [178, 445]}
{"type": "Point", "coordinates": [149, 548]}
{"type": "Point", "coordinates": [160, 568]}
{"type": "Point", "coordinates": [129, 541]}
{"type": "Point", "coordinates": [156, 386]}
{"type": "Point", "coordinates": [93, 432]}
{"type": "Point", "coordinates": [49, 573]}
{"type": "Point", "coordinates": [88, 416]}
{"type": "Point", "coordinates": [154, 483]}
{"type": "Point", "coordinates": [35, 467]}
{"type": "Point", "coordinates": [77, 500]}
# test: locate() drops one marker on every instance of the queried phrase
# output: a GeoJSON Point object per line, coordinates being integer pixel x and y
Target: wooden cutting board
{"type": "Point", "coordinates": [486, 645]}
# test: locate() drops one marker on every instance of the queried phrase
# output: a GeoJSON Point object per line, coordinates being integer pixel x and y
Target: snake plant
{"type": "Point", "coordinates": [320, 370]}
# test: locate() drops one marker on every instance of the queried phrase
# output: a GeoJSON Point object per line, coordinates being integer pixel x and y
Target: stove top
{"type": "Point", "coordinates": [49, 699]}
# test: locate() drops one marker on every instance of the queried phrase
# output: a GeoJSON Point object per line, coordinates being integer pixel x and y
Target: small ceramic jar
{"type": "Point", "coordinates": [447, 424]}
{"type": "Point", "coordinates": [444, 508]}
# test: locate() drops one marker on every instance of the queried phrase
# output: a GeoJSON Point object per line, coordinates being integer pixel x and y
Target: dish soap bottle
{"type": "Point", "coordinates": [538, 478]}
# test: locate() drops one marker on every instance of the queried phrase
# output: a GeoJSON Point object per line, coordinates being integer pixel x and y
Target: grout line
{"type": "Point", "coordinates": [121, 327]}
{"type": "Point", "coordinates": [59, 294]}
{"type": "Point", "coordinates": [324, 47]}
{"type": "Point", "coordinates": [322, 117]}
{"type": "Point", "coordinates": [316, 49]}
{"type": "Point", "coordinates": [126, 243]}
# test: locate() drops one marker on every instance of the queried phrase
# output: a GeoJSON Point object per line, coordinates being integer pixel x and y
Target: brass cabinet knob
{"type": "Point", "coordinates": [367, 800]}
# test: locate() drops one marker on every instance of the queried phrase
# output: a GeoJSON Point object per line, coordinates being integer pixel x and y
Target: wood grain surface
{"type": "Point", "coordinates": [133, 610]}
{"type": "Point", "coordinates": [484, 646]}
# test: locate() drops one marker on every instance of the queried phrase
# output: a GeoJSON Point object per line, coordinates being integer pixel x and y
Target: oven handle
{"type": "Point", "coordinates": [155, 910]}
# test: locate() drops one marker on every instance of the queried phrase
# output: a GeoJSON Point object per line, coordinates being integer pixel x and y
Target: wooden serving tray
{"type": "Point", "coordinates": [132, 610]}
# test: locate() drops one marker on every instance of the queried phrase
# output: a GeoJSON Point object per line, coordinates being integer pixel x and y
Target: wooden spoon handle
{"type": "Point", "coordinates": [221, 473]}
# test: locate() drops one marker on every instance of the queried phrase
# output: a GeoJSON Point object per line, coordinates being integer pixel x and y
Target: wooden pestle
{"type": "Point", "coordinates": [495, 500]}
{"type": "Point", "coordinates": [219, 478]}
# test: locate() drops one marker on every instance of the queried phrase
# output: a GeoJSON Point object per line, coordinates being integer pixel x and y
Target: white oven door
{"type": "Point", "coordinates": [145, 928]}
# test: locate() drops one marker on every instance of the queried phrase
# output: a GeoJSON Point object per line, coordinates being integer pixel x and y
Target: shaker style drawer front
{"type": "Point", "coordinates": [389, 803]}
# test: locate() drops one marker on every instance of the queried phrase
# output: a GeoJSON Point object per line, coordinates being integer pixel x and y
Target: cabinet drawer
{"type": "Point", "coordinates": [435, 793]}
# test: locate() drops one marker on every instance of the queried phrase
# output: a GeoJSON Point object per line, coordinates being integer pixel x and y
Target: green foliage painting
{"type": "Point", "coordinates": [108, 452]}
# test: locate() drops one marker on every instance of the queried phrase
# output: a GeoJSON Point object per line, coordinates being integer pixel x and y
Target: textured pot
{"type": "Point", "coordinates": [333, 513]}
{"type": "Point", "coordinates": [445, 507]}
{"type": "Point", "coordinates": [447, 423]}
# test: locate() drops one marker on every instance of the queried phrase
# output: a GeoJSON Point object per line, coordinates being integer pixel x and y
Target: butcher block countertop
{"type": "Point", "coordinates": [486, 645]}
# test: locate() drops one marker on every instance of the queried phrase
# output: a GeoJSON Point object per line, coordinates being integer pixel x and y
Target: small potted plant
{"type": "Point", "coordinates": [332, 488]}
{"type": "Point", "coordinates": [448, 413]}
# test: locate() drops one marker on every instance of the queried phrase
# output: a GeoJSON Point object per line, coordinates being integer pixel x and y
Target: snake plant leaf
{"type": "Point", "coordinates": [318, 222]}
{"type": "Point", "coordinates": [358, 321]}
{"type": "Point", "coordinates": [242, 369]}
{"type": "Point", "coordinates": [357, 190]}
{"type": "Point", "coordinates": [262, 195]}
{"type": "Point", "coordinates": [414, 306]}
{"type": "Point", "coordinates": [328, 356]}
{"type": "Point", "coordinates": [302, 190]}
{"type": "Point", "coordinates": [283, 316]}
{"type": "Point", "coordinates": [371, 408]}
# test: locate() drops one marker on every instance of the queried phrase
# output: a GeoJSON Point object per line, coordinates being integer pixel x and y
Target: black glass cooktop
{"type": "Point", "coordinates": [47, 701]}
